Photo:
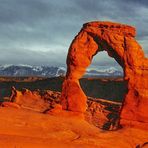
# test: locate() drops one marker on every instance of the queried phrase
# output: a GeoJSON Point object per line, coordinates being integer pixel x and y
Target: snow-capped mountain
{"type": "Point", "coordinates": [50, 71]}
{"type": "Point", "coordinates": [104, 72]}
{"type": "Point", "coordinates": [28, 70]}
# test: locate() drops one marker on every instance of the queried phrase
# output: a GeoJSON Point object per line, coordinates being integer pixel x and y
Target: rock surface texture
{"type": "Point", "coordinates": [28, 129]}
{"type": "Point", "coordinates": [101, 113]}
{"type": "Point", "coordinates": [37, 100]}
{"type": "Point", "coordinates": [119, 42]}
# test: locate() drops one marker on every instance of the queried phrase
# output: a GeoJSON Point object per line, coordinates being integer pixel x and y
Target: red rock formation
{"type": "Point", "coordinates": [29, 129]}
{"type": "Point", "coordinates": [101, 113]}
{"type": "Point", "coordinates": [39, 101]}
{"type": "Point", "coordinates": [30, 100]}
{"type": "Point", "coordinates": [119, 42]}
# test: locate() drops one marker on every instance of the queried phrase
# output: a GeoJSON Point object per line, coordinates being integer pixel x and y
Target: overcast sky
{"type": "Point", "coordinates": [39, 32]}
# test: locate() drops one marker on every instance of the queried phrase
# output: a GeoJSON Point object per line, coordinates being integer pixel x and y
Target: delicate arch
{"type": "Point", "coordinates": [119, 42]}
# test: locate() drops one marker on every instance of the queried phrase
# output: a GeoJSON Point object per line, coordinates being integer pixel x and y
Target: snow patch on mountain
{"type": "Point", "coordinates": [61, 71]}
{"type": "Point", "coordinates": [50, 71]}
{"type": "Point", "coordinates": [104, 71]}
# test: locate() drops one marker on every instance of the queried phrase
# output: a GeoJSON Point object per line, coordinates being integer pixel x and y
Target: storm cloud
{"type": "Point", "coordinates": [39, 32]}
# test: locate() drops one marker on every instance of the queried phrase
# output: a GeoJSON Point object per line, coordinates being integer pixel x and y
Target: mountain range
{"type": "Point", "coordinates": [51, 71]}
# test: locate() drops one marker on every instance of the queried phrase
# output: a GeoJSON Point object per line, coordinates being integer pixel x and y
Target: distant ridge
{"type": "Point", "coordinates": [51, 71]}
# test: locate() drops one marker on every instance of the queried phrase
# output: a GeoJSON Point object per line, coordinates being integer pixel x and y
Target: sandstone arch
{"type": "Point", "coordinates": [119, 42]}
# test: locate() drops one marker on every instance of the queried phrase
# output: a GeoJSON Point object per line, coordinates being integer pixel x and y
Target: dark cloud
{"type": "Point", "coordinates": [25, 11]}
{"type": "Point", "coordinates": [137, 2]}
{"type": "Point", "coordinates": [26, 56]}
{"type": "Point", "coordinates": [46, 28]}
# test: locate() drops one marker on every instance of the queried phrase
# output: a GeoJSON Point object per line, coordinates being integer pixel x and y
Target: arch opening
{"type": "Point", "coordinates": [104, 79]}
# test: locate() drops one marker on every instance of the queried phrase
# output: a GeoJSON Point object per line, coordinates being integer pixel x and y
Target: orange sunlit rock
{"type": "Point", "coordinates": [10, 104]}
{"type": "Point", "coordinates": [119, 42]}
{"type": "Point", "coordinates": [28, 99]}
{"type": "Point", "coordinates": [29, 129]}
